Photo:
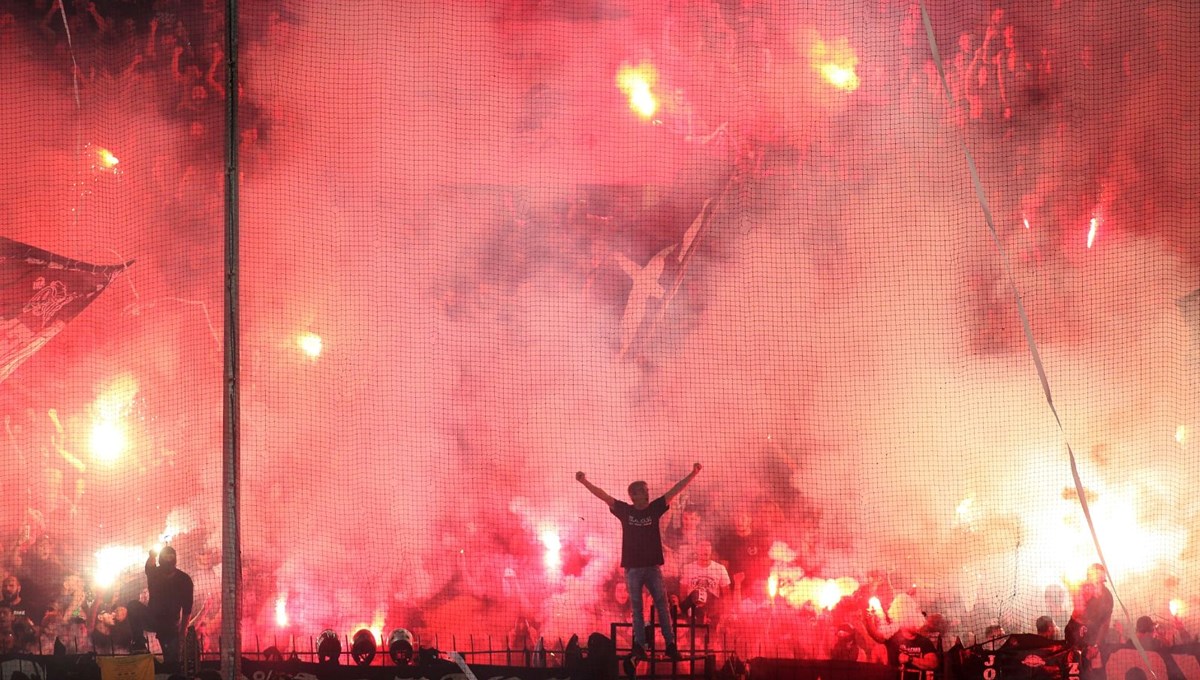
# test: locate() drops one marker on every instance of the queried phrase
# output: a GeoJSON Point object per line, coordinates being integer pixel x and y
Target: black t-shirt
{"type": "Point", "coordinates": [641, 540]}
{"type": "Point", "coordinates": [171, 595]}
{"type": "Point", "coordinates": [917, 647]}
{"type": "Point", "coordinates": [746, 555]}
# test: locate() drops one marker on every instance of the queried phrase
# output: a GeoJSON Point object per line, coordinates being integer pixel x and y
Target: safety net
{"type": "Point", "coordinates": [917, 287]}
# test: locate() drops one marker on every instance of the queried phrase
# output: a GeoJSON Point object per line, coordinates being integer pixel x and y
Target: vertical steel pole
{"type": "Point", "coordinates": [231, 554]}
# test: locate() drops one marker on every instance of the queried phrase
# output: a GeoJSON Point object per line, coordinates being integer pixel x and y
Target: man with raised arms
{"type": "Point", "coordinates": [642, 554]}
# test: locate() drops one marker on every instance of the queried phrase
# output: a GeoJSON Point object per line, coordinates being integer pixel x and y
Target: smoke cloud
{"type": "Point", "coordinates": [452, 197]}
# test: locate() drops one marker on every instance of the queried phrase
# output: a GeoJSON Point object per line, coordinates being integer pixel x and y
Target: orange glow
{"type": "Point", "coordinates": [376, 628]}
{"type": "Point", "coordinates": [281, 615]}
{"type": "Point", "coordinates": [310, 344]}
{"type": "Point", "coordinates": [835, 62]}
{"type": "Point", "coordinates": [637, 82]}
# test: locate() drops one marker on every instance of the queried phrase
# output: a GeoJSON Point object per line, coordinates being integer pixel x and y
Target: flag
{"type": "Point", "coordinates": [134, 667]}
{"type": "Point", "coordinates": [40, 292]}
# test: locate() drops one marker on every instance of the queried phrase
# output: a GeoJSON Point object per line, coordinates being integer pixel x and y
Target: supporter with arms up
{"type": "Point", "coordinates": [642, 554]}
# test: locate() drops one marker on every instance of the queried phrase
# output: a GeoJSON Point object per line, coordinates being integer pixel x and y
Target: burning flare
{"type": "Point", "coordinates": [111, 560]}
{"type": "Point", "coordinates": [553, 557]}
{"type": "Point", "coordinates": [310, 344]}
{"type": "Point", "coordinates": [281, 615]}
{"type": "Point", "coordinates": [109, 437]}
{"type": "Point", "coordinates": [835, 63]}
{"type": "Point", "coordinates": [106, 161]}
{"type": "Point", "coordinates": [637, 82]}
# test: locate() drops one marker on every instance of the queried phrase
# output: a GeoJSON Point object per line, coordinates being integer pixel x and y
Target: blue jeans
{"type": "Point", "coordinates": [651, 578]}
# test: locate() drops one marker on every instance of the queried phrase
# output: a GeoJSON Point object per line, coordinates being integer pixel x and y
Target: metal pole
{"type": "Point", "coordinates": [231, 546]}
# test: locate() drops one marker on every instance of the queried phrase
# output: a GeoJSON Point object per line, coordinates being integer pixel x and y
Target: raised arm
{"type": "Point", "coordinates": [596, 491]}
{"type": "Point", "coordinates": [871, 625]}
{"type": "Point", "coordinates": [674, 491]}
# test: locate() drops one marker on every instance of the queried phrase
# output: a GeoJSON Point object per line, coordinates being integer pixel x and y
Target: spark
{"type": "Point", "coordinates": [1175, 607]}
{"type": "Point", "coordinates": [1181, 434]}
{"type": "Point", "coordinates": [773, 585]}
{"type": "Point", "coordinates": [1026, 221]}
{"type": "Point", "coordinates": [1093, 226]}
{"type": "Point", "coordinates": [875, 605]}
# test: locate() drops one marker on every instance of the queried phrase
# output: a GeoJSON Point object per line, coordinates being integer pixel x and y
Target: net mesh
{"type": "Point", "coordinates": [487, 245]}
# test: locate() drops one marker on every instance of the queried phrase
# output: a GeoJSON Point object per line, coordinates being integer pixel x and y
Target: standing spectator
{"type": "Point", "coordinates": [169, 606]}
{"type": "Point", "coordinates": [1147, 634]}
{"type": "Point", "coordinates": [747, 557]}
{"type": "Point", "coordinates": [642, 554]}
{"type": "Point", "coordinates": [42, 577]}
{"type": "Point", "coordinates": [1091, 613]}
{"type": "Point", "coordinates": [704, 584]}
{"type": "Point", "coordinates": [1046, 627]}
{"type": "Point", "coordinates": [11, 596]}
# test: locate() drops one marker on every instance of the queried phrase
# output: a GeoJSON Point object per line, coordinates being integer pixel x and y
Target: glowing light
{"type": "Point", "coordinates": [109, 437]}
{"type": "Point", "coordinates": [773, 585]}
{"type": "Point", "coordinates": [1175, 607]}
{"type": "Point", "coordinates": [874, 605]}
{"type": "Point", "coordinates": [168, 533]}
{"type": "Point", "coordinates": [553, 557]}
{"type": "Point", "coordinates": [310, 344]}
{"type": "Point", "coordinates": [111, 560]}
{"type": "Point", "coordinates": [830, 595]}
{"type": "Point", "coordinates": [839, 76]}
{"type": "Point", "coordinates": [376, 628]}
{"type": "Point", "coordinates": [1181, 434]}
{"type": "Point", "coordinates": [836, 63]}
{"type": "Point", "coordinates": [637, 82]}
{"type": "Point", "coordinates": [106, 158]}
{"type": "Point", "coordinates": [964, 508]}
{"type": "Point", "coordinates": [1026, 221]}
{"type": "Point", "coordinates": [1093, 226]}
{"type": "Point", "coordinates": [281, 615]}
{"type": "Point", "coordinates": [108, 440]}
